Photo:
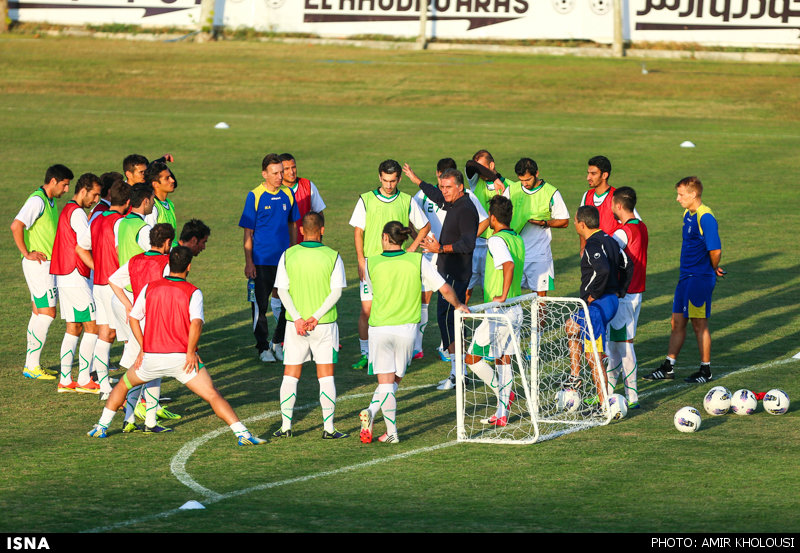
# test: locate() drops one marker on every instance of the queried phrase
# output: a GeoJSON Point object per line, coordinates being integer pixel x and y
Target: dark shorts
{"type": "Point", "coordinates": [693, 296]}
{"type": "Point", "coordinates": [601, 311]}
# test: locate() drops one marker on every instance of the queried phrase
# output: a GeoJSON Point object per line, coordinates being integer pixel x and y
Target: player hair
{"type": "Point", "coordinates": [396, 232]}
{"type": "Point", "coordinates": [119, 193]}
{"type": "Point", "coordinates": [129, 163]}
{"type": "Point", "coordinates": [153, 171]}
{"type": "Point", "coordinates": [453, 173]}
{"type": "Point", "coordinates": [313, 222]}
{"type": "Point", "coordinates": [287, 157]}
{"type": "Point", "coordinates": [58, 172]}
{"type": "Point", "coordinates": [270, 159]}
{"type": "Point", "coordinates": [693, 184]}
{"type": "Point", "coordinates": [588, 215]}
{"type": "Point", "coordinates": [626, 197]}
{"type": "Point", "coordinates": [390, 167]}
{"type": "Point", "coordinates": [179, 259]}
{"type": "Point", "coordinates": [194, 228]}
{"type": "Point", "coordinates": [87, 181]}
{"type": "Point", "coordinates": [483, 154]}
{"type": "Point", "coordinates": [502, 209]}
{"type": "Point", "coordinates": [107, 180]}
{"type": "Point", "coordinates": [140, 192]}
{"type": "Point", "coordinates": [446, 163]}
{"type": "Point", "coordinates": [161, 233]}
{"type": "Point", "coordinates": [526, 165]}
{"type": "Point", "coordinates": [602, 163]}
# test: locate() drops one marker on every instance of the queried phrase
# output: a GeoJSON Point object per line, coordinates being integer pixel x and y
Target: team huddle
{"type": "Point", "coordinates": [120, 273]}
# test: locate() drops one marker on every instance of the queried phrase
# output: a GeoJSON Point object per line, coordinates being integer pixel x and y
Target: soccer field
{"type": "Point", "coordinates": [341, 111]}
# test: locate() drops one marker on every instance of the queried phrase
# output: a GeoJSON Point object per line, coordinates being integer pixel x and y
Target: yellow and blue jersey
{"type": "Point", "coordinates": [700, 236]}
{"type": "Point", "coordinates": [268, 215]}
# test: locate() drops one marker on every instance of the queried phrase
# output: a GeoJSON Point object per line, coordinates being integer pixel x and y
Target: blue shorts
{"type": "Point", "coordinates": [693, 296]}
{"type": "Point", "coordinates": [601, 311]}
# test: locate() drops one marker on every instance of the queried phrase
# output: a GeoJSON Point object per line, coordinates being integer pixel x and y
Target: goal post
{"type": "Point", "coordinates": [534, 361]}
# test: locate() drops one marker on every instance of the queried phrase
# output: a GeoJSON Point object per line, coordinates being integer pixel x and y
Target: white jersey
{"type": "Point", "coordinates": [537, 239]}
{"type": "Point", "coordinates": [436, 215]}
{"type": "Point", "coordinates": [30, 212]}
{"type": "Point", "coordinates": [317, 205]}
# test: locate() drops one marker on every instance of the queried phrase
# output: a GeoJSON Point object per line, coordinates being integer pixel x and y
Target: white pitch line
{"type": "Point", "coordinates": [178, 464]}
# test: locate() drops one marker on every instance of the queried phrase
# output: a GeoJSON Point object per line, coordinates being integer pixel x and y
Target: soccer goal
{"type": "Point", "coordinates": [539, 371]}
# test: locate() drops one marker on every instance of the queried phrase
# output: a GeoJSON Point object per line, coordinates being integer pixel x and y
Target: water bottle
{"type": "Point", "coordinates": [251, 290]}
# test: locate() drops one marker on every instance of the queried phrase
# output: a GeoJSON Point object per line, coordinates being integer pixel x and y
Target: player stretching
{"type": "Point", "coordinates": [34, 231]}
{"type": "Point", "coordinates": [505, 259]}
{"type": "Point", "coordinates": [140, 270]}
{"type": "Point", "coordinates": [605, 276]}
{"type": "Point", "coordinates": [393, 284]}
{"type": "Point", "coordinates": [72, 265]}
{"type": "Point", "coordinates": [372, 211]}
{"type": "Point", "coordinates": [701, 252]}
{"type": "Point", "coordinates": [632, 238]}
{"type": "Point", "coordinates": [174, 309]}
{"type": "Point", "coordinates": [310, 280]}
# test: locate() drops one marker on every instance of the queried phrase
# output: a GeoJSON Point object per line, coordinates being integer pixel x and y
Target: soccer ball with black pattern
{"type": "Point", "coordinates": [776, 402]}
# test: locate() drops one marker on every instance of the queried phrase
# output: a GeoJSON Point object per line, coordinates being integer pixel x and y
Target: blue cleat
{"type": "Point", "coordinates": [97, 431]}
{"type": "Point", "coordinates": [249, 439]}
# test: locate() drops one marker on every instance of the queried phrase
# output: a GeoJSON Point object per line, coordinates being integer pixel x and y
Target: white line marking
{"type": "Point", "coordinates": [178, 464]}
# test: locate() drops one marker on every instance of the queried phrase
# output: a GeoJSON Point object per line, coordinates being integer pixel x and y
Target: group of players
{"type": "Point", "coordinates": [122, 263]}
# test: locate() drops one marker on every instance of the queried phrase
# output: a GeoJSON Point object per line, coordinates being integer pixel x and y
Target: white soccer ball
{"type": "Point", "coordinates": [776, 402]}
{"type": "Point", "coordinates": [687, 419]}
{"type": "Point", "coordinates": [717, 401]}
{"type": "Point", "coordinates": [743, 402]}
{"type": "Point", "coordinates": [568, 400]}
{"type": "Point", "coordinates": [618, 406]}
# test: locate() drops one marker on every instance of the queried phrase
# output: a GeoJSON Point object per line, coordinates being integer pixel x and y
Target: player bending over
{"type": "Point", "coordinates": [505, 260]}
{"type": "Point", "coordinates": [605, 276]}
{"type": "Point", "coordinates": [169, 346]}
{"type": "Point", "coordinates": [393, 284]}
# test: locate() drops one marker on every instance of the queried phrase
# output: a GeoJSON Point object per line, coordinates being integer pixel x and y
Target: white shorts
{"type": "Point", "coordinates": [538, 275]}
{"type": "Point", "coordinates": [41, 284]}
{"type": "Point", "coordinates": [119, 320]}
{"type": "Point", "coordinates": [391, 348]}
{"type": "Point", "coordinates": [102, 295]}
{"type": "Point", "coordinates": [432, 257]}
{"type": "Point", "coordinates": [363, 291]}
{"type": "Point", "coordinates": [493, 337]}
{"type": "Point", "coordinates": [321, 345]}
{"type": "Point", "coordinates": [623, 326]}
{"type": "Point", "coordinates": [478, 266]}
{"type": "Point", "coordinates": [77, 304]}
{"type": "Point", "coordinates": [162, 365]}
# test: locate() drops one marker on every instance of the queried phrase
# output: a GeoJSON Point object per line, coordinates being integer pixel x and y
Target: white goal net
{"type": "Point", "coordinates": [527, 360]}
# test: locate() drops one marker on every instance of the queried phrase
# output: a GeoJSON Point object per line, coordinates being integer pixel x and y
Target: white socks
{"type": "Point", "coordinates": [622, 362]}
{"type": "Point", "coordinates": [327, 400]}
{"type": "Point", "coordinates": [423, 322]}
{"type": "Point", "coordinates": [102, 353]}
{"type": "Point", "coordinates": [486, 373]}
{"type": "Point", "coordinates": [85, 358]}
{"type": "Point", "coordinates": [288, 396]}
{"type": "Point", "coordinates": [68, 346]}
{"type": "Point", "coordinates": [152, 393]}
{"type": "Point", "coordinates": [37, 334]}
{"type": "Point", "coordinates": [364, 345]}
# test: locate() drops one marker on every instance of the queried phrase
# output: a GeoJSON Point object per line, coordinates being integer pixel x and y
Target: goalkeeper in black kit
{"type": "Point", "coordinates": [606, 273]}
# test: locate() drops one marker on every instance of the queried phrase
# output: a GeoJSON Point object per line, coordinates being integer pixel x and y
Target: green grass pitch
{"type": "Point", "coordinates": [341, 111]}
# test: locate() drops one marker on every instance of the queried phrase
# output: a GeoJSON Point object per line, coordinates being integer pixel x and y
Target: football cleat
{"type": "Point", "coordinates": [417, 355]}
{"type": "Point", "coordinates": [164, 414]}
{"type": "Point", "coordinates": [37, 373]}
{"type": "Point", "coordinates": [362, 363]}
{"type": "Point", "coordinates": [157, 429]}
{"type": "Point", "coordinates": [572, 382]}
{"type": "Point", "coordinates": [97, 431]}
{"type": "Point", "coordinates": [448, 383]}
{"type": "Point", "coordinates": [335, 435]}
{"type": "Point", "coordinates": [366, 426]}
{"type": "Point", "coordinates": [389, 438]}
{"type": "Point", "coordinates": [248, 439]}
{"type": "Point", "coordinates": [104, 396]}
{"type": "Point", "coordinates": [67, 388]}
{"type": "Point", "coordinates": [90, 387]}
{"type": "Point", "coordinates": [277, 350]}
{"type": "Point", "coordinates": [280, 433]}
{"type": "Point", "coordinates": [511, 398]}
{"type": "Point", "coordinates": [665, 372]}
{"type": "Point", "coordinates": [494, 420]}
{"type": "Point", "coordinates": [140, 410]}
{"type": "Point", "coordinates": [444, 355]}
{"type": "Point", "coordinates": [700, 377]}
{"type": "Point", "coordinates": [634, 405]}
{"type": "Point", "coordinates": [129, 427]}
{"type": "Point", "coordinates": [266, 356]}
